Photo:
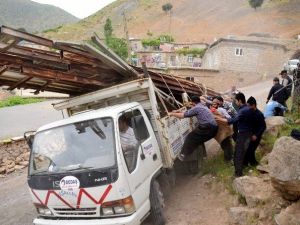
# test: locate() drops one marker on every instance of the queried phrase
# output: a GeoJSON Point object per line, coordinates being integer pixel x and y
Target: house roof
{"type": "Point", "coordinates": [251, 39]}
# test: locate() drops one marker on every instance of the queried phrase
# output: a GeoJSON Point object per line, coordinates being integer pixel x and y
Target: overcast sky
{"type": "Point", "coordinates": [78, 8]}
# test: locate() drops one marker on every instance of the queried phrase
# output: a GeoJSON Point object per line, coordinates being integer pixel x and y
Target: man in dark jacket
{"type": "Point", "coordinates": [244, 124]}
{"type": "Point", "coordinates": [259, 126]}
{"type": "Point", "coordinates": [279, 94]}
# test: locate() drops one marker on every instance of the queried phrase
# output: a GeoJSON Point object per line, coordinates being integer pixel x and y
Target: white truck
{"type": "Point", "coordinates": [80, 173]}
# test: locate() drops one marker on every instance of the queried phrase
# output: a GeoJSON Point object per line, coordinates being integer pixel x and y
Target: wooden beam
{"type": "Point", "coordinates": [109, 61]}
{"type": "Point", "coordinates": [56, 75]}
{"type": "Point", "coordinates": [19, 83]}
{"type": "Point", "coordinates": [36, 86]}
{"type": "Point", "coordinates": [26, 36]}
{"type": "Point", "coordinates": [15, 42]}
{"type": "Point", "coordinates": [3, 69]}
{"type": "Point", "coordinates": [42, 88]}
{"type": "Point", "coordinates": [113, 55]}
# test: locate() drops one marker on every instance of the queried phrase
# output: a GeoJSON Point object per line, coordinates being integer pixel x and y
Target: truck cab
{"type": "Point", "coordinates": [81, 173]}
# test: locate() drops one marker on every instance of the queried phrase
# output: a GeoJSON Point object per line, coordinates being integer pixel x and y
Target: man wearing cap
{"type": "Point", "coordinates": [259, 127]}
{"type": "Point", "coordinates": [206, 130]}
{"type": "Point", "coordinates": [278, 93]}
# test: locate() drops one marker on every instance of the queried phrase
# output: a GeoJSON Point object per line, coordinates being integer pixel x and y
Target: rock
{"type": "Point", "coordinates": [2, 169]}
{"type": "Point", "coordinates": [242, 215]}
{"type": "Point", "coordinates": [254, 190]}
{"type": "Point", "coordinates": [297, 121]}
{"type": "Point", "coordinates": [273, 123]}
{"type": "Point", "coordinates": [263, 168]}
{"type": "Point", "coordinates": [284, 167]}
{"type": "Point", "coordinates": [289, 216]}
{"type": "Point", "coordinates": [26, 156]}
{"type": "Point", "coordinates": [10, 170]}
{"type": "Point", "coordinates": [24, 163]}
{"type": "Point", "coordinates": [19, 167]}
{"type": "Point", "coordinates": [18, 160]}
{"type": "Point", "coordinates": [11, 164]}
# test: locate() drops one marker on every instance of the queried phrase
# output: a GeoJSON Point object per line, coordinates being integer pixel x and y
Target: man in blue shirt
{"type": "Point", "coordinates": [206, 130]}
{"type": "Point", "coordinates": [270, 109]}
{"type": "Point", "coordinates": [259, 126]}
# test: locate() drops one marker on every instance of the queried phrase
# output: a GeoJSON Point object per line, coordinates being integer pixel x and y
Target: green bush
{"type": "Point", "coordinates": [156, 41]}
{"type": "Point", "coordinates": [17, 100]}
{"type": "Point", "coordinates": [195, 52]}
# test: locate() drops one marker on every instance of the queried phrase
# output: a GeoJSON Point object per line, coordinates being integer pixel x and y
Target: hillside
{"type": "Point", "coordinates": [32, 16]}
{"type": "Point", "coordinates": [191, 20]}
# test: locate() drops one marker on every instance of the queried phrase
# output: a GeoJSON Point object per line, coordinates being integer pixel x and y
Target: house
{"type": "Point", "coordinates": [167, 55]}
{"type": "Point", "coordinates": [246, 54]}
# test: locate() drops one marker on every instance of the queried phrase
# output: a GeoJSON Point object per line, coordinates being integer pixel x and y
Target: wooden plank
{"type": "Point", "coordinates": [56, 75]}
{"type": "Point", "coordinates": [113, 55]}
{"type": "Point", "coordinates": [19, 83]}
{"type": "Point", "coordinates": [3, 69]}
{"type": "Point", "coordinates": [26, 36]}
{"type": "Point", "coordinates": [104, 58]}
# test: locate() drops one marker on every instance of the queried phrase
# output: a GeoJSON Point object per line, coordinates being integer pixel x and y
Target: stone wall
{"type": "Point", "coordinates": [256, 58]}
{"type": "Point", "coordinates": [218, 80]}
{"type": "Point", "coordinates": [14, 155]}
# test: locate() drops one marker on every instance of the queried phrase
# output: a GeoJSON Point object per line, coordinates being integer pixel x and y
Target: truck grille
{"type": "Point", "coordinates": [76, 212]}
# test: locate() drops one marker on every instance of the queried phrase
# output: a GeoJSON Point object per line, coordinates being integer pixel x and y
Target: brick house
{"type": "Point", "coordinates": [246, 54]}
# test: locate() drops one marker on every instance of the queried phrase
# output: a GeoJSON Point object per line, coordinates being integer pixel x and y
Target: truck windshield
{"type": "Point", "coordinates": [77, 146]}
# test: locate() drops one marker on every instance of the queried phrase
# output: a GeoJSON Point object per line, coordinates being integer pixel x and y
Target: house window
{"type": "Point", "coordinates": [190, 78]}
{"type": "Point", "coordinates": [238, 51]}
{"type": "Point", "coordinates": [190, 59]}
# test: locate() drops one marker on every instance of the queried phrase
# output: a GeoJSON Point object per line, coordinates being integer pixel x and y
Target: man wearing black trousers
{"type": "Point", "coordinates": [259, 128]}
{"type": "Point", "coordinates": [206, 130]}
{"type": "Point", "coordinates": [244, 124]}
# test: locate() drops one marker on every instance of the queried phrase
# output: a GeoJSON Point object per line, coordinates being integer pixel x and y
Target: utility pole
{"type": "Point", "coordinates": [127, 37]}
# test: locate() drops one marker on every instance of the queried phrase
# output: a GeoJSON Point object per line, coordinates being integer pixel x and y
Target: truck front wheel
{"type": "Point", "coordinates": [157, 204]}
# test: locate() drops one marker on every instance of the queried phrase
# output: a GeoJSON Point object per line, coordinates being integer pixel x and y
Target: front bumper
{"type": "Point", "coordinates": [134, 219]}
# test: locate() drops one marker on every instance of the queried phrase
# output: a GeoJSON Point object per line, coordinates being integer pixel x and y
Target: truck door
{"type": "Point", "coordinates": [143, 159]}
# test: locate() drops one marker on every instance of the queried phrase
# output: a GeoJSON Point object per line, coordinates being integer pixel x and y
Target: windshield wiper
{"type": "Point", "coordinates": [76, 167]}
{"type": "Point", "coordinates": [41, 172]}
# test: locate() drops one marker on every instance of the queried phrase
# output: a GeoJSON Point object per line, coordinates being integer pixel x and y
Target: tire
{"type": "Point", "coordinates": [196, 165]}
{"type": "Point", "coordinates": [157, 204]}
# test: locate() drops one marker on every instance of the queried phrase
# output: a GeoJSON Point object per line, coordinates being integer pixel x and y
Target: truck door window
{"type": "Point", "coordinates": [133, 131]}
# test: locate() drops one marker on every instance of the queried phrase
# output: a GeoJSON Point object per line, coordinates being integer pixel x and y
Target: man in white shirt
{"type": "Point", "coordinates": [129, 142]}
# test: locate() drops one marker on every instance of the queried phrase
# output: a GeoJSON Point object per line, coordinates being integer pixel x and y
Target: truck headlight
{"type": "Point", "coordinates": [118, 207]}
{"type": "Point", "coordinates": [43, 210]}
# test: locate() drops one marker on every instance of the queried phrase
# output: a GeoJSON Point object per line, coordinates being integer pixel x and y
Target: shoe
{"type": "Point", "coordinates": [181, 157]}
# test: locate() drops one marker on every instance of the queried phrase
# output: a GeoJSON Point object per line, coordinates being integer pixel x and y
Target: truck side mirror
{"type": "Point", "coordinates": [29, 137]}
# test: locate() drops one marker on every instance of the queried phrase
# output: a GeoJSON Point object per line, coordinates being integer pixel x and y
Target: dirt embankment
{"type": "Point", "coordinates": [190, 20]}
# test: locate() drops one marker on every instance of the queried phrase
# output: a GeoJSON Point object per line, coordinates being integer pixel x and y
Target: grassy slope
{"type": "Point", "coordinates": [32, 16]}
{"type": "Point", "coordinates": [192, 20]}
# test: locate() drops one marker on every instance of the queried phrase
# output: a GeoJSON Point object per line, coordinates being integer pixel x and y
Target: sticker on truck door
{"type": "Point", "coordinates": [69, 183]}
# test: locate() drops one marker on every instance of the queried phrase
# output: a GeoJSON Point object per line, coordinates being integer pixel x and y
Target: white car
{"type": "Point", "coordinates": [291, 65]}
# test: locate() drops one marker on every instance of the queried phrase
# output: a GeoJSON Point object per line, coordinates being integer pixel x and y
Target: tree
{"type": "Point", "coordinates": [167, 7]}
{"type": "Point", "coordinates": [108, 30]}
{"type": "Point", "coordinates": [255, 3]}
{"type": "Point", "coordinates": [117, 45]}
